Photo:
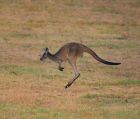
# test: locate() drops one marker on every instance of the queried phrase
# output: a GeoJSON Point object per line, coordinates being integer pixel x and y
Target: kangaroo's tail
{"type": "Point", "coordinates": [91, 52]}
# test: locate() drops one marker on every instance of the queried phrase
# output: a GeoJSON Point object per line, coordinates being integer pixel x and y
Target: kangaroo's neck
{"type": "Point", "coordinates": [52, 57]}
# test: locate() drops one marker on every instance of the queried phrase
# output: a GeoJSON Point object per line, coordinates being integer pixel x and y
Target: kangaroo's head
{"type": "Point", "coordinates": [45, 55]}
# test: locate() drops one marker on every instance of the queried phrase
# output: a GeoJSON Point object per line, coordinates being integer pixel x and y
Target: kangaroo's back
{"type": "Point", "coordinates": [70, 49]}
{"type": "Point", "coordinates": [75, 49]}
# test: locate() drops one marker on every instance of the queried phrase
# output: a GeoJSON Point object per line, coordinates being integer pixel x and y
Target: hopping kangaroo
{"type": "Point", "coordinates": [70, 52]}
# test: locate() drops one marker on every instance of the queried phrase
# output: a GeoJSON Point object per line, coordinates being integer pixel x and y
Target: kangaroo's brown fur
{"type": "Point", "coordinates": [70, 52]}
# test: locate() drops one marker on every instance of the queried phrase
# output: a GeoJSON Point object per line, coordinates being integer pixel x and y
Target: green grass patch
{"type": "Point", "coordinates": [90, 96]}
{"type": "Point", "coordinates": [10, 111]}
{"type": "Point", "coordinates": [22, 35]}
{"type": "Point", "coordinates": [105, 9]}
{"type": "Point", "coordinates": [114, 44]}
{"type": "Point", "coordinates": [103, 99]}
{"type": "Point", "coordinates": [128, 114]}
{"type": "Point", "coordinates": [18, 70]}
{"type": "Point", "coordinates": [23, 70]}
{"type": "Point", "coordinates": [127, 82]}
{"type": "Point", "coordinates": [102, 28]}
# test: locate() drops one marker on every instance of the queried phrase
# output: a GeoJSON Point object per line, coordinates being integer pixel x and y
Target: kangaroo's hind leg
{"type": "Point", "coordinates": [76, 72]}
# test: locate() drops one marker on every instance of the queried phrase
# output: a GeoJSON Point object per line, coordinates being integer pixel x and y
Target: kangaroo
{"type": "Point", "coordinates": [70, 52]}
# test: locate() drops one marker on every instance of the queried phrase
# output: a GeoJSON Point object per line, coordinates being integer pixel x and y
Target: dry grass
{"type": "Point", "coordinates": [29, 89]}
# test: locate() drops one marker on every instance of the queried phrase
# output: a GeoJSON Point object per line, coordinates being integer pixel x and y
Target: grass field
{"type": "Point", "coordinates": [32, 90]}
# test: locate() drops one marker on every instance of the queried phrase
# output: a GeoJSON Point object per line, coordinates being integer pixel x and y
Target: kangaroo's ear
{"type": "Point", "coordinates": [46, 49]}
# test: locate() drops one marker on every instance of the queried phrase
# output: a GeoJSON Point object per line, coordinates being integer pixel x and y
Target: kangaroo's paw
{"type": "Point", "coordinates": [61, 68]}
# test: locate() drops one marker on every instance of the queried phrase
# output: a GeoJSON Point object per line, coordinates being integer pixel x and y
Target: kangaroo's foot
{"type": "Point", "coordinates": [61, 68]}
{"type": "Point", "coordinates": [68, 85]}
{"type": "Point", "coordinates": [72, 80]}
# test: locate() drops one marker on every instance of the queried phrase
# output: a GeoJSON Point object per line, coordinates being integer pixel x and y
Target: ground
{"type": "Point", "coordinates": [30, 89]}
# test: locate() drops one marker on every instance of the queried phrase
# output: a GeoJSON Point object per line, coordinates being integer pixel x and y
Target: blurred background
{"type": "Point", "coordinates": [30, 89]}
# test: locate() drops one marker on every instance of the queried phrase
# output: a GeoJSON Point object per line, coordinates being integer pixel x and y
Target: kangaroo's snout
{"type": "Point", "coordinates": [40, 59]}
